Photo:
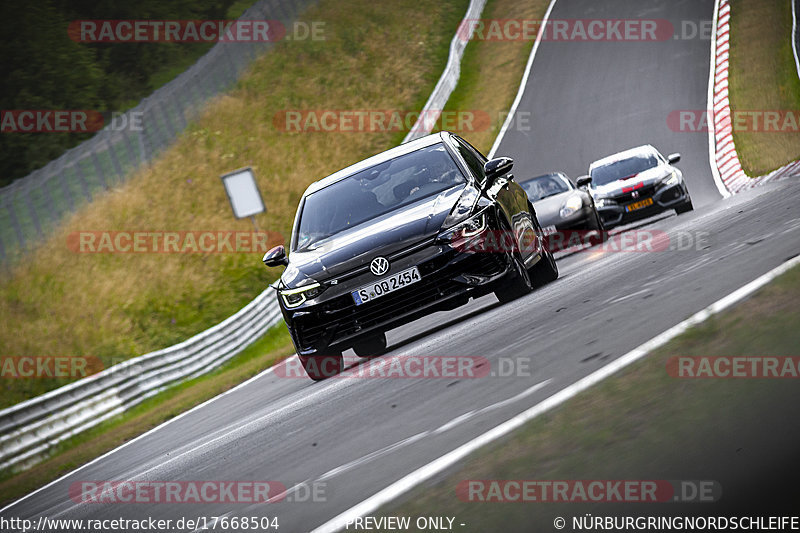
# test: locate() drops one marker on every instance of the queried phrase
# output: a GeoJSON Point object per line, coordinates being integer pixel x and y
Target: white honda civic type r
{"type": "Point", "coordinates": [635, 184]}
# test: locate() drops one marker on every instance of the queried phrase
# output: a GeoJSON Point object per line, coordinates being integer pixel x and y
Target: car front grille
{"type": "Point", "coordinates": [643, 192]}
{"type": "Point", "coordinates": [340, 318]}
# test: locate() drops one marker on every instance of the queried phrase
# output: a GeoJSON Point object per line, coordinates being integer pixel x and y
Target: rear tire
{"type": "Point", "coordinates": [319, 367]}
{"type": "Point", "coordinates": [371, 346]}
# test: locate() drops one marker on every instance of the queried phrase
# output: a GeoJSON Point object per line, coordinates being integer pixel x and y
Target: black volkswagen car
{"type": "Point", "coordinates": [387, 241]}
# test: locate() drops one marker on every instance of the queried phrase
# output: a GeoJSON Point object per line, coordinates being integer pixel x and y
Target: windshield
{"type": "Point", "coordinates": [544, 186]}
{"type": "Point", "coordinates": [374, 192]}
{"type": "Point", "coordinates": [624, 168]}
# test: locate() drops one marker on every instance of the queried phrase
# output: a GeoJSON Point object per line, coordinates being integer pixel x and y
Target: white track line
{"type": "Point", "coordinates": [794, 37]}
{"type": "Point", "coordinates": [449, 459]}
{"type": "Point", "coordinates": [143, 435]}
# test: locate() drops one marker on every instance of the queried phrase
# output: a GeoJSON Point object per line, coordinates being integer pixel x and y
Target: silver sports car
{"type": "Point", "coordinates": [559, 205]}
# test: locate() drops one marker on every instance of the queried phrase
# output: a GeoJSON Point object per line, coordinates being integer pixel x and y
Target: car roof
{"type": "Point", "coordinates": [428, 140]}
{"type": "Point", "coordinates": [645, 149]}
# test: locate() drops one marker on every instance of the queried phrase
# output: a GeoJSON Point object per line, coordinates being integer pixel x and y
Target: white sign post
{"type": "Point", "coordinates": [242, 190]}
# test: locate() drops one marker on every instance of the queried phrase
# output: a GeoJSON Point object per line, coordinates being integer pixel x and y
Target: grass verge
{"type": "Point", "coordinates": [491, 72]}
{"type": "Point", "coordinates": [763, 77]}
{"type": "Point", "coordinates": [643, 424]}
{"type": "Point", "coordinates": [120, 305]}
{"type": "Point", "coordinates": [272, 347]}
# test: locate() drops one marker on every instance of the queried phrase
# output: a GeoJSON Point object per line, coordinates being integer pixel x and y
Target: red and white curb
{"type": "Point", "coordinates": [727, 160]}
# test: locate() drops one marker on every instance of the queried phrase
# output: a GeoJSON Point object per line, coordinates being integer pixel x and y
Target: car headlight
{"type": "Point", "coordinates": [295, 297]}
{"type": "Point", "coordinates": [469, 228]}
{"type": "Point", "coordinates": [573, 204]}
{"type": "Point", "coordinates": [672, 179]}
{"type": "Point", "coordinates": [604, 202]}
{"type": "Point", "coordinates": [463, 207]}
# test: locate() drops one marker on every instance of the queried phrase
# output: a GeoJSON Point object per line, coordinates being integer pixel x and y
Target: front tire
{"type": "Point", "coordinates": [518, 285]}
{"type": "Point", "coordinates": [320, 367]}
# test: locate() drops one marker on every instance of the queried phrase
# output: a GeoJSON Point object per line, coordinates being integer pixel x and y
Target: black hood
{"type": "Point", "coordinates": [381, 236]}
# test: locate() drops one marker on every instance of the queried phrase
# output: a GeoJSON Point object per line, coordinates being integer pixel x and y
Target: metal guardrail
{"type": "Point", "coordinates": [449, 78]}
{"type": "Point", "coordinates": [30, 429]}
{"type": "Point", "coordinates": [796, 35]}
{"type": "Point", "coordinates": [31, 206]}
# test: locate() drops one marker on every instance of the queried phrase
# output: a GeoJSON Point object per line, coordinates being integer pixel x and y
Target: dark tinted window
{"type": "Point", "coordinates": [544, 186]}
{"type": "Point", "coordinates": [623, 168]}
{"type": "Point", "coordinates": [374, 192]}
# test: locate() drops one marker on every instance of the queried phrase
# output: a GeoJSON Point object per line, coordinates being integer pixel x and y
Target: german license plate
{"type": "Point", "coordinates": [638, 205]}
{"type": "Point", "coordinates": [386, 285]}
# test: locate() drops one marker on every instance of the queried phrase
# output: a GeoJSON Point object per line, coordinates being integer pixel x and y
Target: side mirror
{"type": "Point", "coordinates": [673, 158]}
{"type": "Point", "coordinates": [583, 181]}
{"type": "Point", "coordinates": [496, 168]}
{"type": "Point", "coordinates": [276, 257]}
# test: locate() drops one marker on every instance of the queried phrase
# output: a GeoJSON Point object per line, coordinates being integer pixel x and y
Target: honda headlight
{"type": "Point", "coordinates": [671, 179]}
{"type": "Point", "coordinates": [295, 297]}
{"type": "Point", "coordinates": [604, 202]}
{"type": "Point", "coordinates": [572, 205]}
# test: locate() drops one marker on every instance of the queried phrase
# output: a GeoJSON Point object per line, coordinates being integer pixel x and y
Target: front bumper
{"type": "Point", "coordinates": [449, 279]}
{"type": "Point", "coordinates": [578, 220]}
{"type": "Point", "coordinates": [664, 198]}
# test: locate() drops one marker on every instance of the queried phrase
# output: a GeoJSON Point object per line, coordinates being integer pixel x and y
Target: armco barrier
{"type": "Point", "coordinates": [449, 78]}
{"type": "Point", "coordinates": [31, 206]}
{"type": "Point", "coordinates": [30, 429]}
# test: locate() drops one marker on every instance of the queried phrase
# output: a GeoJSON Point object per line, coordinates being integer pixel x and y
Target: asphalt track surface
{"type": "Point", "coordinates": [360, 435]}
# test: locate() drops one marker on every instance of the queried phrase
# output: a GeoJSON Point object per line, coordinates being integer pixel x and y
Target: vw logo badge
{"type": "Point", "coordinates": [379, 266]}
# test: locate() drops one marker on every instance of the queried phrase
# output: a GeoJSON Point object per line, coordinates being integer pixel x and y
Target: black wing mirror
{"type": "Point", "coordinates": [495, 168]}
{"type": "Point", "coordinates": [276, 257]}
{"type": "Point", "coordinates": [673, 158]}
{"type": "Point", "coordinates": [583, 181]}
